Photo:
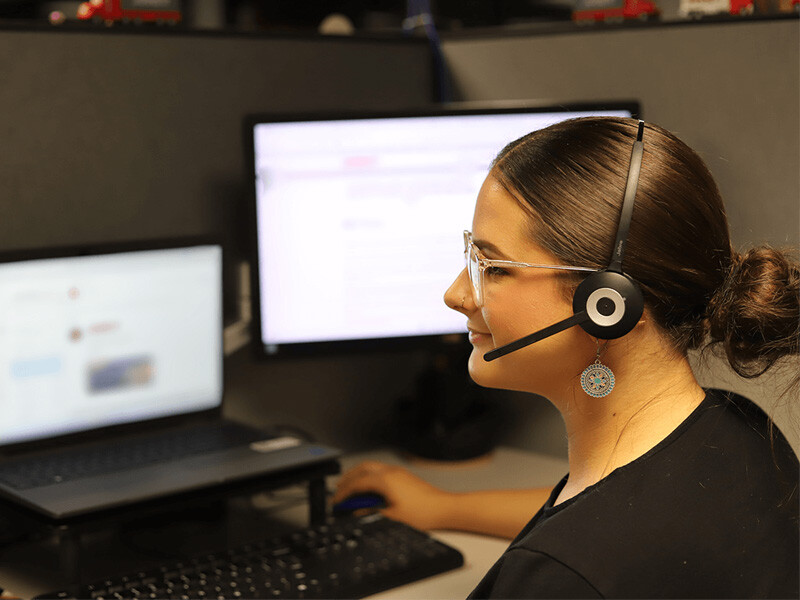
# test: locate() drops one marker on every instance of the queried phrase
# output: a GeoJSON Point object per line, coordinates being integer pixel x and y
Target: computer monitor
{"type": "Point", "coordinates": [358, 219]}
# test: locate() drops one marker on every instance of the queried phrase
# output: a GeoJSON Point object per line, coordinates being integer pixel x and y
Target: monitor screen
{"type": "Point", "coordinates": [105, 339]}
{"type": "Point", "coordinates": [359, 220]}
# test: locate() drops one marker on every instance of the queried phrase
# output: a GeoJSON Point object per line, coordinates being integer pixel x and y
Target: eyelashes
{"type": "Point", "coordinates": [495, 271]}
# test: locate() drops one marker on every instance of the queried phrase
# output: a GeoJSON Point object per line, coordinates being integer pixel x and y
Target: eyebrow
{"type": "Point", "coordinates": [490, 248]}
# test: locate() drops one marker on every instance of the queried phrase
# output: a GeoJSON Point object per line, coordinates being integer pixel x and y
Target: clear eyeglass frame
{"type": "Point", "coordinates": [477, 265]}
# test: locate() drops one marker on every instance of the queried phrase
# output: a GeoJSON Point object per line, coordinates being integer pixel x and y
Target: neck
{"type": "Point", "coordinates": [652, 396]}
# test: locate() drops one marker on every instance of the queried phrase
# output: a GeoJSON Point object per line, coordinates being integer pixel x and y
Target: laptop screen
{"type": "Point", "coordinates": [107, 339]}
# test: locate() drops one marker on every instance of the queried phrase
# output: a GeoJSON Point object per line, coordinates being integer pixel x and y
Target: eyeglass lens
{"type": "Point", "coordinates": [474, 270]}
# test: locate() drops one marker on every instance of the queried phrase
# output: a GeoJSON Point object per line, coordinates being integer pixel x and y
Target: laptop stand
{"type": "Point", "coordinates": [69, 534]}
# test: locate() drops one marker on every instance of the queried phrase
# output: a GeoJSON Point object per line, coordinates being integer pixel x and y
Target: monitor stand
{"type": "Point", "coordinates": [449, 417]}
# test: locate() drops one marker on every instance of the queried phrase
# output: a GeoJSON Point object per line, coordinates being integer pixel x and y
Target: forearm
{"type": "Point", "coordinates": [501, 513]}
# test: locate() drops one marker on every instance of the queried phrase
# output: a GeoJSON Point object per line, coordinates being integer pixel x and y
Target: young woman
{"type": "Point", "coordinates": [673, 491]}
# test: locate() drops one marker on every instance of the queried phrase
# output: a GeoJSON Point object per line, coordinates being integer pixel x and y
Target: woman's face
{"type": "Point", "coordinates": [516, 303]}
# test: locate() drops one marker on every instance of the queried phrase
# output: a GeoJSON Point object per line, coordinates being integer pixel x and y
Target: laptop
{"type": "Point", "coordinates": [111, 381]}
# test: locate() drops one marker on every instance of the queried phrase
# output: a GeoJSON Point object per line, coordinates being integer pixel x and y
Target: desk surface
{"type": "Point", "coordinates": [504, 468]}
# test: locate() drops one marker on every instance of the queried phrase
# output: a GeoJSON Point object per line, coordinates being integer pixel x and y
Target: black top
{"type": "Point", "coordinates": [709, 512]}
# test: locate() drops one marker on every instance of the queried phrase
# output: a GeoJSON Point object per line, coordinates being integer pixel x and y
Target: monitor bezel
{"type": "Point", "coordinates": [121, 429]}
{"type": "Point", "coordinates": [377, 344]}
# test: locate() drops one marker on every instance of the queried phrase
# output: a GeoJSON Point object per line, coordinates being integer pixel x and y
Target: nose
{"type": "Point", "coordinates": [459, 295]}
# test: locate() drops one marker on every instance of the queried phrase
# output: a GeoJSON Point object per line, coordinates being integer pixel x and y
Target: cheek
{"type": "Point", "coordinates": [510, 320]}
{"type": "Point", "coordinates": [505, 322]}
{"type": "Point", "coordinates": [510, 372]}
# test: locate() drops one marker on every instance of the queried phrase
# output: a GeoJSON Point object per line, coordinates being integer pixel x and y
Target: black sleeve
{"type": "Point", "coordinates": [522, 573]}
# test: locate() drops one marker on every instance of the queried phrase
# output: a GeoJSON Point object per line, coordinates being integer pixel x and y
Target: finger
{"type": "Point", "coordinates": [359, 485]}
{"type": "Point", "coordinates": [363, 469]}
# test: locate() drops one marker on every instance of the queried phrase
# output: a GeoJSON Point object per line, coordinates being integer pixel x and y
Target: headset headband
{"type": "Point", "coordinates": [627, 204]}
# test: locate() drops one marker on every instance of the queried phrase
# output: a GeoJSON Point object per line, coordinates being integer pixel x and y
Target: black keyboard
{"type": "Point", "coordinates": [31, 472]}
{"type": "Point", "coordinates": [348, 557]}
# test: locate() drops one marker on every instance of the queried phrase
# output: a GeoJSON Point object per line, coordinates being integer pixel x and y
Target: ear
{"type": "Point", "coordinates": [646, 318]}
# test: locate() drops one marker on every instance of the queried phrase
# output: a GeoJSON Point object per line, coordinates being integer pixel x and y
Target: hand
{"type": "Point", "coordinates": [409, 498]}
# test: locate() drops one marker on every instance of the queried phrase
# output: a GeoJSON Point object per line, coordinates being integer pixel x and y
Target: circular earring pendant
{"type": "Point", "coordinates": [597, 380]}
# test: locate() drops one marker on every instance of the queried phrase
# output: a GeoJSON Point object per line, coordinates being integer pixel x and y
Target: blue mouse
{"type": "Point", "coordinates": [355, 502]}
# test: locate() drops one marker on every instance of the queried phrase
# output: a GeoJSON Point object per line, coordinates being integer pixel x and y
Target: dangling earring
{"type": "Point", "coordinates": [597, 380]}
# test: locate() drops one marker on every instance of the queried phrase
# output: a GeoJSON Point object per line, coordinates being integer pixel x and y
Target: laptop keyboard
{"type": "Point", "coordinates": [32, 472]}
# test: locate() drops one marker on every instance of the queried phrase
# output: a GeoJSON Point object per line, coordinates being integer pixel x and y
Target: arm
{"type": "Point", "coordinates": [501, 513]}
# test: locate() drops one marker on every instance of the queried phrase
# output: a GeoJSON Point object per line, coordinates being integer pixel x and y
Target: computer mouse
{"type": "Point", "coordinates": [367, 500]}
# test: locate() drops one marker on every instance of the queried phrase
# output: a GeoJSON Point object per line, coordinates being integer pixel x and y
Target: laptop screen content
{"type": "Point", "coordinates": [93, 341]}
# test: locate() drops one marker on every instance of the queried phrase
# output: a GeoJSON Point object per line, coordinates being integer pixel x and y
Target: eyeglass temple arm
{"type": "Point", "coordinates": [576, 319]}
{"type": "Point", "coordinates": [492, 262]}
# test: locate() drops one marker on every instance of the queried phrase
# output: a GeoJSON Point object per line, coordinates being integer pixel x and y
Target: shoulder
{"type": "Point", "coordinates": [725, 426]}
{"type": "Point", "coordinates": [733, 430]}
{"type": "Point", "coordinates": [525, 573]}
{"type": "Point", "coordinates": [737, 409]}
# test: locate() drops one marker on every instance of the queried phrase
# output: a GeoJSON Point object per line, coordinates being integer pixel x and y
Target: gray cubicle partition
{"type": "Point", "coordinates": [731, 90]}
{"type": "Point", "coordinates": [129, 133]}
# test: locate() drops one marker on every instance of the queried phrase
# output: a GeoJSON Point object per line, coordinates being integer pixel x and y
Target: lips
{"type": "Point", "coordinates": [477, 336]}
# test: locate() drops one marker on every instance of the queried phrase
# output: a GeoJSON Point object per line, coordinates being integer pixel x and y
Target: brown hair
{"type": "Point", "coordinates": [571, 178]}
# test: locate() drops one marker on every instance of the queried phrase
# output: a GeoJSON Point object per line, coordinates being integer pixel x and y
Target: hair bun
{"type": "Point", "coordinates": [755, 314]}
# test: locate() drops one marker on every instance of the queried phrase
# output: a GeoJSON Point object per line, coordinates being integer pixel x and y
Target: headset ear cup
{"type": "Point", "coordinates": [613, 302]}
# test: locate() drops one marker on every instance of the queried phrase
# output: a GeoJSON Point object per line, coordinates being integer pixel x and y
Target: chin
{"type": "Point", "coordinates": [511, 373]}
{"type": "Point", "coordinates": [485, 374]}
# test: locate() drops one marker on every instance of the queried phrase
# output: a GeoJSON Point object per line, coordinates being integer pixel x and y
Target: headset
{"type": "Point", "coordinates": [608, 303]}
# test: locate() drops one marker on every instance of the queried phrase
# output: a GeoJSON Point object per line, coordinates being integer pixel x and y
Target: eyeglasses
{"type": "Point", "coordinates": [477, 265]}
